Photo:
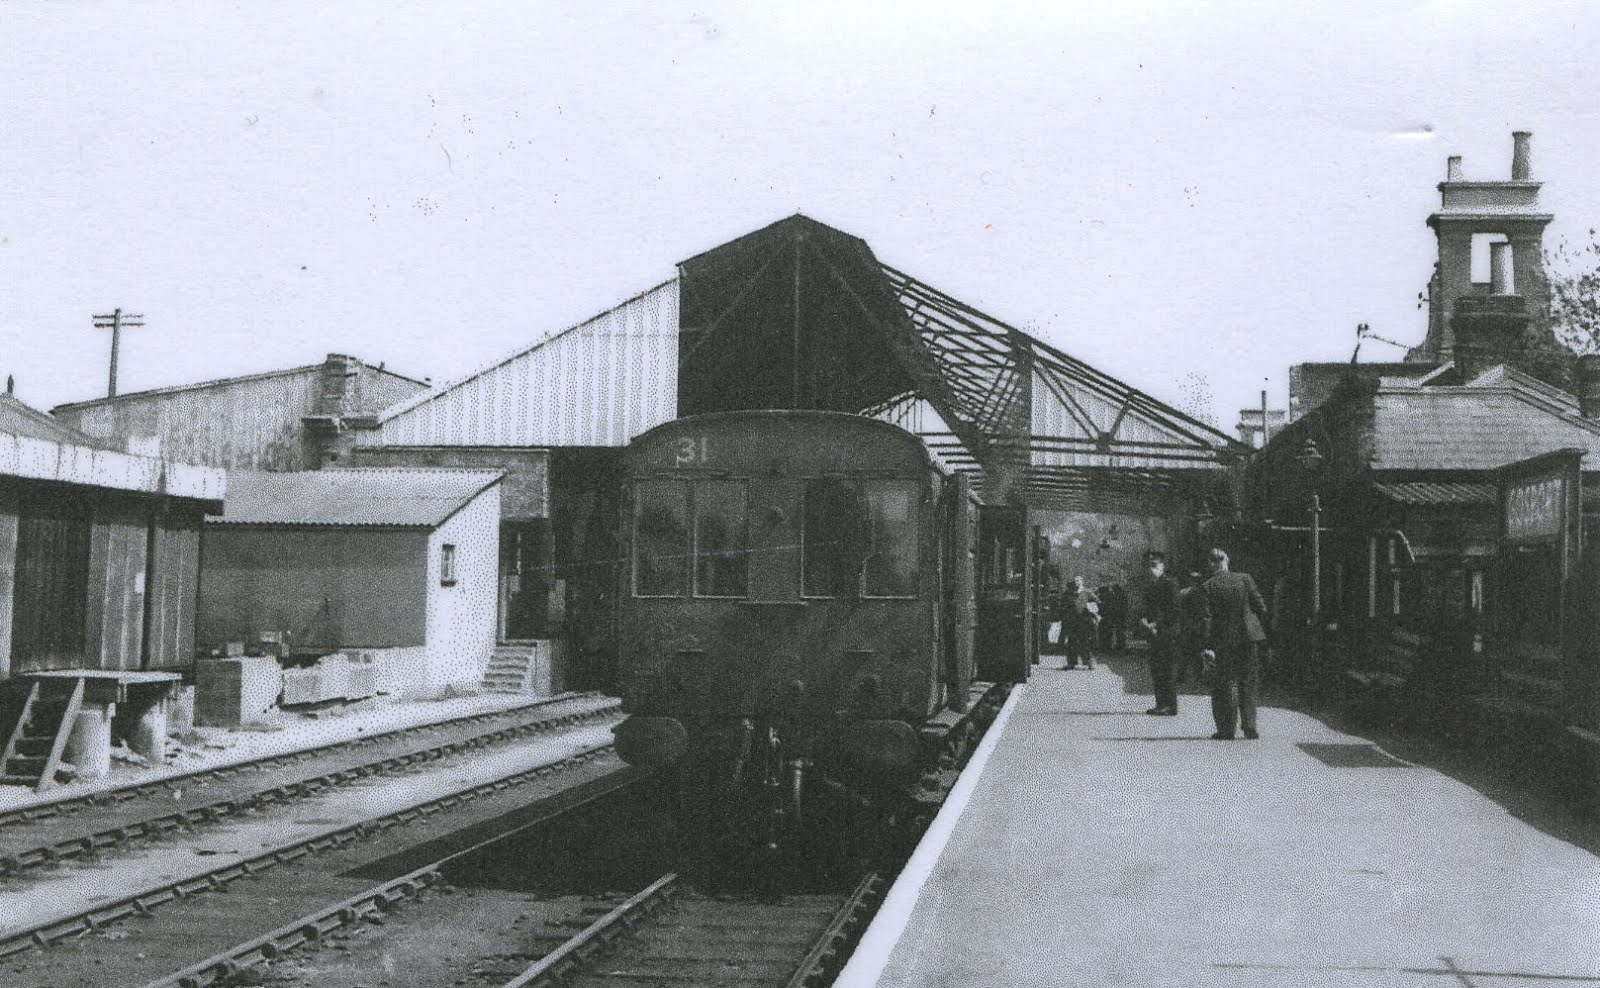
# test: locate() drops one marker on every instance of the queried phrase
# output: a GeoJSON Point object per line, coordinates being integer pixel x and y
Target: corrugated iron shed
{"type": "Point", "coordinates": [387, 497]}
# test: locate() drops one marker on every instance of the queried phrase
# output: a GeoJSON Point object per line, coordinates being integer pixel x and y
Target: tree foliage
{"type": "Point", "coordinates": [1574, 276]}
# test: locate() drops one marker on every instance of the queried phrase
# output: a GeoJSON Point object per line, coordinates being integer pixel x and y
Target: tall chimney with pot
{"type": "Point", "coordinates": [1521, 164]}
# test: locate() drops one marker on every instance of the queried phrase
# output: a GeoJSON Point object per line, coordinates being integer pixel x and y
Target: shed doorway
{"type": "Point", "coordinates": [525, 567]}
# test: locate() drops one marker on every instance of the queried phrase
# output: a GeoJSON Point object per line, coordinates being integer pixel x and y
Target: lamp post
{"type": "Point", "coordinates": [1311, 459]}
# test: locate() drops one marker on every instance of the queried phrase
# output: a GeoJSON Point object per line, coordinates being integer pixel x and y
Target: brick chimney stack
{"type": "Point", "coordinates": [1488, 328]}
{"type": "Point", "coordinates": [338, 395]}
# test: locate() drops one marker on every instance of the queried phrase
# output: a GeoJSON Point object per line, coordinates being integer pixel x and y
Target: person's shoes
{"type": "Point", "coordinates": [1156, 712]}
{"type": "Point", "coordinates": [1170, 712]}
{"type": "Point", "coordinates": [1251, 735]}
{"type": "Point", "coordinates": [1090, 665]}
{"type": "Point", "coordinates": [1219, 736]}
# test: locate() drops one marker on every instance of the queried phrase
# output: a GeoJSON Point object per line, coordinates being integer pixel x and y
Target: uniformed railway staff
{"type": "Point", "coordinates": [1160, 623]}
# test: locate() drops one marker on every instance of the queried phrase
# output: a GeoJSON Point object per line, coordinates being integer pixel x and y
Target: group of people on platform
{"type": "Point", "coordinates": [1211, 631]}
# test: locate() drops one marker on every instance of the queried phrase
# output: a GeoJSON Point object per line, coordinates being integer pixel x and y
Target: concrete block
{"type": "Point", "coordinates": [234, 691]}
{"type": "Point", "coordinates": [302, 686]}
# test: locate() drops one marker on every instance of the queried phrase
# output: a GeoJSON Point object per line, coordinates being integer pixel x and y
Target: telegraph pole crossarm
{"type": "Point", "coordinates": [114, 322]}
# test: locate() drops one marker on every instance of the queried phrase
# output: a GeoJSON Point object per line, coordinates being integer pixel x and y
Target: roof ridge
{"type": "Point", "coordinates": [233, 379]}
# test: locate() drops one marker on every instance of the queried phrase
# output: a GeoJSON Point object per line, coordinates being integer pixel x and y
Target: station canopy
{"type": "Point", "coordinates": [801, 315]}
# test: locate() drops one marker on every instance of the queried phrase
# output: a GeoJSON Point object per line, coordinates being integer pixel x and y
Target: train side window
{"type": "Point", "coordinates": [834, 539]}
{"type": "Point", "coordinates": [721, 539]}
{"type": "Point", "coordinates": [661, 539]}
{"type": "Point", "coordinates": [891, 564]}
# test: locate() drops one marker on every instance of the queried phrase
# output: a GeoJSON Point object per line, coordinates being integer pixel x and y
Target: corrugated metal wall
{"type": "Point", "coordinates": [249, 424]}
{"type": "Point", "coordinates": [598, 384]}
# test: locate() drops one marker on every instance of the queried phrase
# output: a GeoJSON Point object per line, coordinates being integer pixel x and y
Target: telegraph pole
{"type": "Point", "coordinates": [115, 322]}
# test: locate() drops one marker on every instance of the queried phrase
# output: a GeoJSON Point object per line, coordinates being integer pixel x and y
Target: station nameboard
{"type": "Point", "coordinates": [1541, 501]}
{"type": "Point", "coordinates": [1535, 508]}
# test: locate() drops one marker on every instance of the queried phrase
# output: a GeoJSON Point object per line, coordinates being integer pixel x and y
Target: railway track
{"type": "Point", "coordinates": [189, 918]}
{"type": "Point", "coordinates": [89, 825]}
{"type": "Point", "coordinates": [668, 934]}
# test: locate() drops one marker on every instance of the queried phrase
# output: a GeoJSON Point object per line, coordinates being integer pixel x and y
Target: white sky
{"type": "Point", "coordinates": [1195, 189]}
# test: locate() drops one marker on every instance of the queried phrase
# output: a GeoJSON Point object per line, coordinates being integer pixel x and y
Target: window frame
{"type": "Point", "coordinates": [691, 585]}
{"type": "Point", "coordinates": [687, 592]}
{"type": "Point", "coordinates": [447, 564]}
{"type": "Point", "coordinates": [915, 487]}
{"type": "Point", "coordinates": [694, 537]}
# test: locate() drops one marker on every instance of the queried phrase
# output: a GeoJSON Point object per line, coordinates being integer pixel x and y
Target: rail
{"type": "Point", "coordinates": [53, 931]}
{"type": "Point", "coordinates": [179, 780]}
{"type": "Point", "coordinates": [220, 968]}
{"type": "Point", "coordinates": [80, 845]}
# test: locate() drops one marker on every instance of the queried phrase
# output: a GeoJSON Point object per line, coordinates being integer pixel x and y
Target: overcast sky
{"type": "Point", "coordinates": [1171, 192]}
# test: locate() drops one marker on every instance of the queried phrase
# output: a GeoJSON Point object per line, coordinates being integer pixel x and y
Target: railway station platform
{"type": "Point", "coordinates": [1091, 844]}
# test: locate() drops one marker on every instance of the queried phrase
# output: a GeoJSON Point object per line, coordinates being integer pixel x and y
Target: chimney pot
{"type": "Point", "coordinates": [1452, 168]}
{"type": "Point", "coordinates": [1502, 281]}
{"type": "Point", "coordinates": [1520, 156]}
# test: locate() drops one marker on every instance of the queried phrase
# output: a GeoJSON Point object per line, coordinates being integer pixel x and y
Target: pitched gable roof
{"type": "Point", "coordinates": [382, 497]}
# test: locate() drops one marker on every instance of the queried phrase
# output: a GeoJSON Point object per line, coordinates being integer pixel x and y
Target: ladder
{"type": "Point", "coordinates": [36, 741]}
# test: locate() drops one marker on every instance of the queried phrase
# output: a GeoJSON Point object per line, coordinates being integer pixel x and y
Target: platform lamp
{"type": "Point", "coordinates": [1311, 459]}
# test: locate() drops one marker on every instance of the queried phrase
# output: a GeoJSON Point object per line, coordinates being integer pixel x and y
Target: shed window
{"type": "Point", "coordinates": [721, 539]}
{"type": "Point", "coordinates": [447, 565]}
{"type": "Point", "coordinates": [661, 539]}
{"type": "Point", "coordinates": [859, 538]}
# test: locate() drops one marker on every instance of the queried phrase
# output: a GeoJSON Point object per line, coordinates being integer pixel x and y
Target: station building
{"type": "Point", "coordinates": [1428, 518]}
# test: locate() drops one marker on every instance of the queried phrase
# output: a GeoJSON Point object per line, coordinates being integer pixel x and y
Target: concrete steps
{"type": "Point", "coordinates": [511, 669]}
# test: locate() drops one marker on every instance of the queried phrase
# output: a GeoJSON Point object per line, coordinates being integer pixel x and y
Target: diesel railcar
{"type": "Point", "coordinates": [797, 616]}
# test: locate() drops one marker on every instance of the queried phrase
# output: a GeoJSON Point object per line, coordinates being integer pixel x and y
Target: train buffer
{"type": "Point", "coordinates": [1094, 845]}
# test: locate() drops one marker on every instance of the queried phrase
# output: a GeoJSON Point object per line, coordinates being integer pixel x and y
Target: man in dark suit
{"type": "Point", "coordinates": [1160, 624]}
{"type": "Point", "coordinates": [1235, 626]}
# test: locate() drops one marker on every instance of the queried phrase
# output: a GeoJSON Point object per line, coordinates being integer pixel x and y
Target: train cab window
{"type": "Point", "coordinates": [834, 537]}
{"type": "Point", "coordinates": [661, 539]}
{"type": "Point", "coordinates": [891, 565]}
{"type": "Point", "coordinates": [859, 538]}
{"type": "Point", "coordinates": [721, 539]}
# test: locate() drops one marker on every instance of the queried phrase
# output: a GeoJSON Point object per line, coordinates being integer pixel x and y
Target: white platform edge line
{"type": "Point", "coordinates": [871, 956]}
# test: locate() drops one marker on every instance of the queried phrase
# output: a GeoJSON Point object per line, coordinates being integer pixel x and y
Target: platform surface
{"type": "Point", "coordinates": [1103, 847]}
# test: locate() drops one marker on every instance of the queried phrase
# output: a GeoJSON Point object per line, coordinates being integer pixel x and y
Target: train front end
{"type": "Point", "coordinates": [779, 619]}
